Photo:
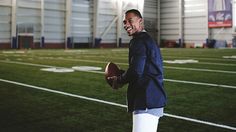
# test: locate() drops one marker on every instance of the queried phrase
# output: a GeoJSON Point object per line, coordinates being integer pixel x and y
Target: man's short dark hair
{"type": "Point", "coordinates": [136, 12]}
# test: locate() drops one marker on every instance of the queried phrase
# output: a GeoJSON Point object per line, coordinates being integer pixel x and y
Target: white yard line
{"type": "Point", "coordinates": [201, 83]}
{"type": "Point", "coordinates": [125, 58]}
{"type": "Point", "coordinates": [167, 67]}
{"type": "Point", "coordinates": [197, 69]}
{"type": "Point", "coordinates": [116, 104]}
{"type": "Point", "coordinates": [100, 72]}
{"type": "Point", "coordinates": [217, 64]}
{"type": "Point", "coordinates": [201, 58]}
{"type": "Point", "coordinates": [206, 63]}
{"type": "Point", "coordinates": [200, 62]}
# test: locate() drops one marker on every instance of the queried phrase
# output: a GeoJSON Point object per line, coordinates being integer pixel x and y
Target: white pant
{"type": "Point", "coordinates": [145, 122]}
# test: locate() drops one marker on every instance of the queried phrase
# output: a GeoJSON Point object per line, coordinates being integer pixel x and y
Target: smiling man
{"type": "Point", "coordinates": [133, 22]}
{"type": "Point", "coordinates": [145, 95]}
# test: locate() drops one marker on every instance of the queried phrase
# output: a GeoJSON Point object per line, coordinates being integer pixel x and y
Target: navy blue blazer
{"type": "Point", "coordinates": [144, 75]}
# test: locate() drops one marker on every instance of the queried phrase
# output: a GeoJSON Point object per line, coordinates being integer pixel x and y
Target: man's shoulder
{"type": "Point", "coordinates": [145, 34]}
{"type": "Point", "coordinates": [144, 39]}
{"type": "Point", "coordinates": [142, 36]}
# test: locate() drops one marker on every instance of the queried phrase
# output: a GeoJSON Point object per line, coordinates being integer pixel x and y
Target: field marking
{"type": "Point", "coordinates": [125, 58]}
{"type": "Point", "coordinates": [201, 58]}
{"type": "Point", "coordinates": [167, 67]}
{"type": "Point", "coordinates": [201, 83]}
{"type": "Point", "coordinates": [218, 64]}
{"type": "Point", "coordinates": [117, 104]}
{"type": "Point", "coordinates": [82, 52]}
{"type": "Point", "coordinates": [197, 69]}
{"type": "Point", "coordinates": [101, 72]}
{"type": "Point", "coordinates": [207, 63]}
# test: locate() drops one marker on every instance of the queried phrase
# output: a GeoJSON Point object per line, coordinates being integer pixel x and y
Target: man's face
{"type": "Point", "coordinates": [132, 24]}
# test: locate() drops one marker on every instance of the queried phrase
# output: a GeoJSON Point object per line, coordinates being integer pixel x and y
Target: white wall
{"type": "Point", "coordinates": [82, 21]}
{"type": "Point", "coordinates": [150, 17]}
{"type": "Point", "coordinates": [169, 19]}
{"type": "Point", "coordinates": [5, 31]}
{"type": "Point", "coordinates": [108, 16]}
{"type": "Point", "coordinates": [194, 21]}
{"type": "Point", "coordinates": [103, 19]}
{"type": "Point", "coordinates": [5, 21]}
{"type": "Point", "coordinates": [28, 12]}
{"type": "Point", "coordinates": [54, 20]}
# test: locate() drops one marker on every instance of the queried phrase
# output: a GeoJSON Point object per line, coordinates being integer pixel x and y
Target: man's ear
{"type": "Point", "coordinates": [141, 21]}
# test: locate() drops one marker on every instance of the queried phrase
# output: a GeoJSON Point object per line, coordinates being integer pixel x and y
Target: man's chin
{"type": "Point", "coordinates": [130, 33]}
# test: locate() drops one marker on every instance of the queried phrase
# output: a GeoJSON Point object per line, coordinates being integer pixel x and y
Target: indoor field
{"type": "Point", "coordinates": [180, 56]}
{"type": "Point", "coordinates": [65, 91]}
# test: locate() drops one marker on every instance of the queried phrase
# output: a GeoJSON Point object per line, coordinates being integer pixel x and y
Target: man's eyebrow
{"type": "Point", "coordinates": [129, 19]}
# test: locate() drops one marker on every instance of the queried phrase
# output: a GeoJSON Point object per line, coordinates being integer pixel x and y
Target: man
{"type": "Point", "coordinates": [145, 95]}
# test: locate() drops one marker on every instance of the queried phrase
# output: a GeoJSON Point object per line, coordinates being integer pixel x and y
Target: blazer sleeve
{"type": "Point", "coordinates": [136, 63]}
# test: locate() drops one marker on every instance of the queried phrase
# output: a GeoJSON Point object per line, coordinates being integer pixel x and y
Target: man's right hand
{"type": "Point", "coordinates": [115, 84]}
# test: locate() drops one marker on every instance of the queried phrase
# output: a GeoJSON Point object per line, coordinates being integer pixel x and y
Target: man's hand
{"type": "Point", "coordinates": [115, 84]}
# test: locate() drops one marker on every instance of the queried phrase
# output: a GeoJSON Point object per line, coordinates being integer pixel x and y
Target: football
{"type": "Point", "coordinates": [112, 70]}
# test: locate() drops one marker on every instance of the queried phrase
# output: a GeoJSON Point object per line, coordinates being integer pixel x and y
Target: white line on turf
{"type": "Point", "coordinates": [200, 58]}
{"type": "Point", "coordinates": [116, 104]}
{"type": "Point", "coordinates": [218, 64]}
{"type": "Point", "coordinates": [167, 67]}
{"type": "Point", "coordinates": [197, 69]}
{"type": "Point", "coordinates": [200, 83]}
{"type": "Point", "coordinates": [125, 58]}
{"type": "Point", "coordinates": [100, 72]}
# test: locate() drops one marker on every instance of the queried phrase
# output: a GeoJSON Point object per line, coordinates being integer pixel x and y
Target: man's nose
{"type": "Point", "coordinates": [126, 25]}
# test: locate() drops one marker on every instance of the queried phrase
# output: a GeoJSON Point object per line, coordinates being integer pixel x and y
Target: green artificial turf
{"type": "Point", "coordinates": [23, 108]}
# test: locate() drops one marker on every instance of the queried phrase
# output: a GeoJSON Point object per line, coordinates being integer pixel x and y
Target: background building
{"type": "Point", "coordinates": [98, 23]}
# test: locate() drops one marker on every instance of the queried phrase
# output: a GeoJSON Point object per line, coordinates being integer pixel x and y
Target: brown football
{"type": "Point", "coordinates": [112, 70]}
